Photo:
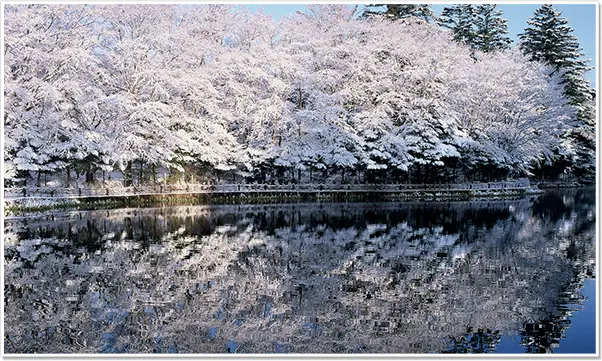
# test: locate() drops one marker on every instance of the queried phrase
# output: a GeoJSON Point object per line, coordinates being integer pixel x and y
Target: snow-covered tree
{"type": "Point", "coordinates": [51, 89]}
{"type": "Point", "coordinates": [479, 26]}
{"type": "Point", "coordinates": [491, 29]}
{"type": "Point", "coordinates": [401, 11]}
{"type": "Point", "coordinates": [549, 39]}
{"type": "Point", "coordinates": [514, 123]}
{"type": "Point", "coordinates": [460, 19]}
{"type": "Point", "coordinates": [214, 91]}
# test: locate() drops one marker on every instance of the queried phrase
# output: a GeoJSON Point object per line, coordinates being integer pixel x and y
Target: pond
{"type": "Point", "coordinates": [443, 277]}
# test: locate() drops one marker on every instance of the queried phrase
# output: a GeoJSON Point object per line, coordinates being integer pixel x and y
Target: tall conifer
{"type": "Point", "coordinates": [548, 38]}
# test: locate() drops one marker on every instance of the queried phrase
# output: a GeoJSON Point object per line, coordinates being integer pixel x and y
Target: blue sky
{"type": "Point", "coordinates": [581, 17]}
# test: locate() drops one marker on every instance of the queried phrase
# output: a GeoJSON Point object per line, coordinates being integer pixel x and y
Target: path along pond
{"type": "Point", "coordinates": [396, 277]}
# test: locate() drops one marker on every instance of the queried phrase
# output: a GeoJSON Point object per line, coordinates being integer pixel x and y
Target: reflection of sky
{"type": "Point", "coordinates": [578, 338]}
{"type": "Point", "coordinates": [510, 344]}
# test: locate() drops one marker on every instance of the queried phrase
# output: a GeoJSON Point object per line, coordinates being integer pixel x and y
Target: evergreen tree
{"type": "Point", "coordinates": [460, 19]}
{"type": "Point", "coordinates": [479, 26]}
{"type": "Point", "coordinates": [584, 132]}
{"type": "Point", "coordinates": [548, 39]}
{"type": "Point", "coordinates": [491, 29]}
{"type": "Point", "coordinates": [400, 11]}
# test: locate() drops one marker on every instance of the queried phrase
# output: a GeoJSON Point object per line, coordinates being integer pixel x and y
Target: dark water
{"type": "Point", "coordinates": [499, 276]}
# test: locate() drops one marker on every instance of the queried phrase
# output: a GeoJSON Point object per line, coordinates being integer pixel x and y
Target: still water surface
{"type": "Point", "coordinates": [497, 276]}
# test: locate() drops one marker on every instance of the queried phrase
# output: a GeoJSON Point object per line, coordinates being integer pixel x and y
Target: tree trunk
{"type": "Point", "coordinates": [45, 179]}
{"type": "Point", "coordinates": [127, 175]}
{"type": "Point", "coordinates": [90, 176]}
{"type": "Point", "coordinates": [68, 177]}
{"type": "Point", "coordinates": [38, 183]}
{"type": "Point", "coordinates": [419, 176]}
{"type": "Point", "coordinates": [140, 172]}
{"type": "Point", "coordinates": [300, 99]}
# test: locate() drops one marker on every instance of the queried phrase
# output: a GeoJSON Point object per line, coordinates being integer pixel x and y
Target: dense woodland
{"type": "Point", "coordinates": [150, 93]}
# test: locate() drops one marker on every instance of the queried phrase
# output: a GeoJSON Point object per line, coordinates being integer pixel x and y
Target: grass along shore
{"type": "Point", "coordinates": [259, 194]}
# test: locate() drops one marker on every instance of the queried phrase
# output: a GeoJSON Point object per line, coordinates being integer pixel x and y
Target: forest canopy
{"type": "Point", "coordinates": [213, 91]}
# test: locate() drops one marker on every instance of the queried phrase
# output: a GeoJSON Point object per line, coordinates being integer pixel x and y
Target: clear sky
{"type": "Point", "coordinates": [581, 17]}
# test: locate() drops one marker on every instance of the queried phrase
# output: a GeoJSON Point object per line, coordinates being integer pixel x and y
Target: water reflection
{"type": "Point", "coordinates": [376, 278]}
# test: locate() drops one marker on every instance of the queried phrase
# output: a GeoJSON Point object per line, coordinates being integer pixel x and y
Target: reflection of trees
{"type": "Point", "coordinates": [576, 237]}
{"type": "Point", "coordinates": [479, 341]}
{"type": "Point", "coordinates": [572, 224]}
{"type": "Point", "coordinates": [543, 335]}
{"type": "Point", "coordinates": [299, 278]}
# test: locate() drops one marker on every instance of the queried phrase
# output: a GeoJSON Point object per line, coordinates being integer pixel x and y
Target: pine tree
{"type": "Point", "coordinates": [584, 132]}
{"type": "Point", "coordinates": [548, 39]}
{"type": "Point", "coordinates": [460, 19]}
{"type": "Point", "coordinates": [401, 11]}
{"type": "Point", "coordinates": [481, 27]}
{"type": "Point", "coordinates": [491, 29]}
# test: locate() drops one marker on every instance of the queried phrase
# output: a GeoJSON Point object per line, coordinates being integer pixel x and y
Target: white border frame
{"type": "Point", "coordinates": [321, 356]}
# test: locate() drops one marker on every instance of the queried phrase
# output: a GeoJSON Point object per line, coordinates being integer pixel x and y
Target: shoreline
{"type": "Point", "coordinates": [14, 206]}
